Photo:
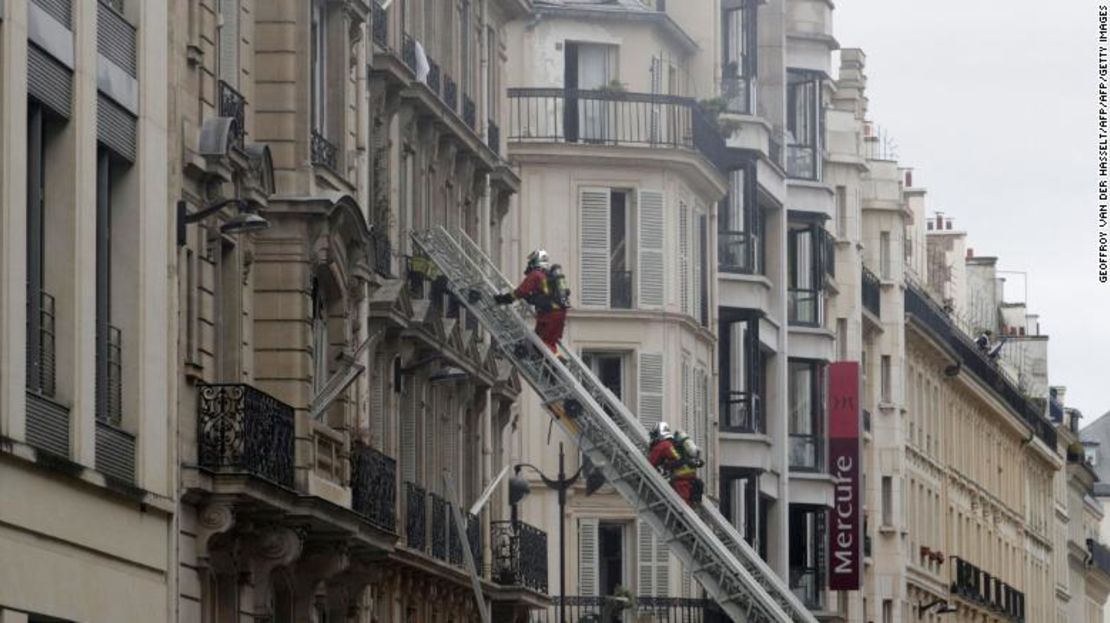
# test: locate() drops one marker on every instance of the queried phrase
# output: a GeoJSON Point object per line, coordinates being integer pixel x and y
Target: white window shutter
{"type": "Point", "coordinates": [377, 401]}
{"type": "Point", "coordinates": [229, 42]}
{"type": "Point", "coordinates": [653, 563]}
{"type": "Point", "coordinates": [687, 392]}
{"type": "Point", "coordinates": [651, 252]}
{"type": "Point", "coordinates": [594, 247]}
{"type": "Point", "coordinates": [408, 435]}
{"type": "Point", "coordinates": [650, 390]}
{"type": "Point", "coordinates": [587, 557]}
{"type": "Point", "coordinates": [684, 255]}
{"type": "Point", "coordinates": [696, 278]}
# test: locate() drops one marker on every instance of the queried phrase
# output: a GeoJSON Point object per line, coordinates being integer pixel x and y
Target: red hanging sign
{"type": "Point", "coordinates": [846, 522]}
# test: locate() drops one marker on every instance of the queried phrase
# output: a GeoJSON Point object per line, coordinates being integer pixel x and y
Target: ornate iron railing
{"type": "Point", "coordinates": [438, 524]}
{"type": "Point", "coordinates": [234, 105]}
{"type": "Point", "coordinates": [243, 429]}
{"type": "Point", "coordinates": [433, 80]}
{"type": "Point", "coordinates": [613, 609]}
{"type": "Point", "coordinates": [870, 292]}
{"type": "Point", "coordinates": [738, 252]}
{"type": "Point", "coordinates": [383, 251]}
{"type": "Point", "coordinates": [109, 382]}
{"type": "Point", "coordinates": [469, 112]}
{"type": "Point", "coordinates": [519, 555]}
{"type": "Point", "coordinates": [41, 363]}
{"type": "Point", "coordinates": [416, 517]}
{"type": "Point", "coordinates": [774, 149]}
{"type": "Point", "coordinates": [609, 117]}
{"type": "Point", "coordinates": [374, 487]}
{"type": "Point", "coordinates": [975, 585]}
{"type": "Point", "coordinates": [454, 545]}
{"type": "Point", "coordinates": [380, 25]}
{"type": "Point", "coordinates": [493, 136]}
{"type": "Point", "coordinates": [620, 289]}
{"type": "Point", "coordinates": [450, 93]}
{"type": "Point", "coordinates": [408, 51]}
{"type": "Point", "coordinates": [474, 538]}
{"type": "Point", "coordinates": [324, 152]}
{"type": "Point", "coordinates": [741, 413]}
{"type": "Point", "coordinates": [923, 310]}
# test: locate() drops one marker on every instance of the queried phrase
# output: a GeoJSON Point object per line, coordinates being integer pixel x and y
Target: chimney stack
{"type": "Point", "coordinates": [970, 253]}
{"type": "Point", "coordinates": [940, 221]}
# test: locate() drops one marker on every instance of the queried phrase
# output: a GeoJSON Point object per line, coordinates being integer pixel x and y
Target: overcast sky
{"type": "Point", "coordinates": [992, 103]}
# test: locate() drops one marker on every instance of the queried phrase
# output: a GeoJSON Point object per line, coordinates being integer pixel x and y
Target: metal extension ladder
{"type": "Point", "coordinates": [615, 442]}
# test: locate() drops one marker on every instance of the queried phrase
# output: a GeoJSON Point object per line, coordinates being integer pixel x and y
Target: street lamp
{"type": "Point", "coordinates": [246, 220]}
{"type": "Point", "coordinates": [945, 607]}
{"type": "Point", "coordinates": [518, 488]}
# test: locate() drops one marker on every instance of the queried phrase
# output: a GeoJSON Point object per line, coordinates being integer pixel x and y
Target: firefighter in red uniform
{"type": "Point", "coordinates": [545, 289]}
{"type": "Point", "coordinates": [671, 457]}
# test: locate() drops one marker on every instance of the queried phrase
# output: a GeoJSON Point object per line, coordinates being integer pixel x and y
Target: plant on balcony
{"type": "Point", "coordinates": [614, 86]}
{"type": "Point", "coordinates": [714, 107]}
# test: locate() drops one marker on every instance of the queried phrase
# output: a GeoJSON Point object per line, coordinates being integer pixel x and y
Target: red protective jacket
{"type": "Point", "coordinates": [664, 454]}
{"type": "Point", "coordinates": [536, 290]}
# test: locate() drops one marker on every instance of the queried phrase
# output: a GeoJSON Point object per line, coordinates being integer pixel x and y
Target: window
{"type": "Point", "coordinates": [1090, 454]}
{"type": "Point", "coordinates": [588, 67]}
{"type": "Point", "coordinates": [465, 61]}
{"type": "Point", "coordinates": [807, 554]}
{"type": "Point", "coordinates": [888, 501]}
{"type": "Point", "coordinates": [806, 388]}
{"type": "Point", "coordinates": [885, 381]}
{"type": "Point", "coordinates": [740, 502]}
{"type": "Point", "coordinates": [885, 269]}
{"type": "Point", "coordinates": [609, 368]}
{"type": "Point", "coordinates": [610, 557]}
{"type": "Point", "coordinates": [741, 368]}
{"type": "Point", "coordinates": [109, 365]}
{"type": "Point", "coordinates": [739, 241]}
{"type": "Point", "coordinates": [806, 273]}
{"type": "Point", "coordinates": [803, 124]}
{"type": "Point", "coordinates": [40, 304]}
{"type": "Point", "coordinates": [228, 41]}
{"type": "Point", "coordinates": [738, 66]}
{"type": "Point", "coordinates": [842, 339]}
{"type": "Point", "coordinates": [604, 232]}
{"type": "Point", "coordinates": [319, 67]}
{"type": "Point", "coordinates": [492, 74]}
{"type": "Point", "coordinates": [888, 611]}
{"type": "Point", "coordinates": [842, 212]}
{"type": "Point", "coordinates": [319, 338]}
{"type": "Point", "coordinates": [701, 266]}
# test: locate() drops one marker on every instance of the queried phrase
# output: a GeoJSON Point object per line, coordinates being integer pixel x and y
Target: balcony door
{"type": "Point", "coordinates": [588, 67]}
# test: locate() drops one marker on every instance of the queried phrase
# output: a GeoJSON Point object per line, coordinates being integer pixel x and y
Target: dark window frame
{"type": "Point", "coordinates": [740, 223]}
{"type": "Point", "coordinates": [805, 122]}
{"type": "Point", "coordinates": [808, 538]}
{"type": "Point", "coordinates": [811, 224]}
{"type": "Point", "coordinates": [739, 63]}
{"type": "Point", "coordinates": [749, 399]}
{"type": "Point", "coordinates": [816, 437]}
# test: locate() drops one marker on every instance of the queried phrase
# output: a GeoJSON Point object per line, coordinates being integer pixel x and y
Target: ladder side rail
{"type": "Point", "coordinates": [631, 453]}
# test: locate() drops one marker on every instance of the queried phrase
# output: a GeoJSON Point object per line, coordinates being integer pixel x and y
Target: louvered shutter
{"type": "Point", "coordinates": [450, 427]}
{"type": "Point", "coordinates": [687, 392]}
{"type": "Point", "coordinates": [408, 435]}
{"type": "Point", "coordinates": [653, 562]}
{"type": "Point", "coordinates": [587, 557]}
{"type": "Point", "coordinates": [229, 42]}
{"type": "Point", "coordinates": [594, 247]}
{"type": "Point", "coordinates": [684, 255]}
{"type": "Point", "coordinates": [652, 273]}
{"type": "Point", "coordinates": [650, 388]}
{"type": "Point", "coordinates": [431, 434]}
{"type": "Point", "coordinates": [377, 402]}
{"type": "Point", "coordinates": [697, 278]}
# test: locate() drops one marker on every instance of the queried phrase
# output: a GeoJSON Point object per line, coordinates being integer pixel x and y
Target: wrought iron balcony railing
{"type": "Point", "coordinates": [610, 609]}
{"type": "Point", "coordinates": [41, 364]}
{"type": "Point", "coordinates": [433, 79]}
{"type": "Point", "coordinates": [741, 413]}
{"type": "Point", "coordinates": [373, 487]}
{"type": "Point", "coordinates": [493, 136]}
{"type": "Point", "coordinates": [408, 51]}
{"type": "Point", "coordinates": [383, 251]}
{"type": "Point", "coordinates": [469, 112]}
{"type": "Point", "coordinates": [976, 585]}
{"type": "Point", "coordinates": [234, 105]}
{"type": "Point", "coordinates": [380, 24]}
{"type": "Point", "coordinates": [324, 152]}
{"type": "Point", "coordinates": [774, 149]}
{"type": "Point", "coordinates": [438, 524]}
{"type": "Point", "coordinates": [922, 309]}
{"type": "Point", "coordinates": [474, 538]}
{"type": "Point", "coordinates": [870, 292]}
{"type": "Point", "coordinates": [416, 517]}
{"type": "Point", "coordinates": [450, 93]}
{"type": "Point", "coordinates": [243, 429]}
{"type": "Point", "coordinates": [610, 117]}
{"type": "Point", "coordinates": [109, 381]}
{"type": "Point", "coordinates": [739, 252]}
{"type": "Point", "coordinates": [519, 555]}
{"type": "Point", "coordinates": [620, 289]}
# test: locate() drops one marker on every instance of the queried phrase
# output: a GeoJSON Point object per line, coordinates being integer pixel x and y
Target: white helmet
{"type": "Point", "coordinates": [539, 259]}
{"type": "Point", "coordinates": [661, 431]}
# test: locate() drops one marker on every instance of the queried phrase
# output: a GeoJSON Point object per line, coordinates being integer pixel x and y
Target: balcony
{"type": "Point", "coordinates": [981, 588]}
{"type": "Point", "coordinates": [469, 113]}
{"type": "Point", "coordinates": [233, 105]}
{"type": "Point", "coordinates": [612, 118]}
{"type": "Point", "coordinates": [408, 51]}
{"type": "Point", "coordinates": [1100, 556]}
{"type": "Point", "coordinates": [493, 136]}
{"type": "Point", "coordinates": [738, 252]}
{"type": "Point", "coordinates": [379, 25]}
{"type": "Point", "coordinates": [244, 430]}
{"type": "Point", "coordinates": [580, 609]}
{"type": "Point", "coordinates": [438, 525]}
{"type": "Point", "coordinates": [740, 413]}
{"type": "Point", "coordinates": [450, 93]}
{"type": "Point", "coordinates": [416, 517]}
{"type": "Point", "coordinates": [324, 152]}
{"type": "Point", "coordinates": [383, 251]}
{"type": "Point", "coordinates": [433, 80]}
{"type": "Point", "coordinates": [932, 318]}
{"type": "Point", "coordinates": [519, 555]}
{"type": "Point", "coordinates": [373, 487]}
{"type": "Point", "coordinates": [620, 289]}
{"type": "Point", "coordinates": [870, 292]}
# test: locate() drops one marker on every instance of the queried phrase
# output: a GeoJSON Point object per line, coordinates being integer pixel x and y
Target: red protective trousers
{"type": "Point", "coordinates": [549, 327]}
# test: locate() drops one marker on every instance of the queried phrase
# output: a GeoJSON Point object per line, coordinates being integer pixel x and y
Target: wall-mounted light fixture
{"type": "Point", "coordinates": [246, 220]}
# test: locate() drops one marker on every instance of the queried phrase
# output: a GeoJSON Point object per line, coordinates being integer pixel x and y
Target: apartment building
{"type": "Point", "coordinates": [336, 407]}
{"type": "Point", "coordinates": [86, 454]}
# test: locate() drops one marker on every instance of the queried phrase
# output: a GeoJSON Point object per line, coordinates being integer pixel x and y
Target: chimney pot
{"type": "Point", "coordinates": [971, 253]}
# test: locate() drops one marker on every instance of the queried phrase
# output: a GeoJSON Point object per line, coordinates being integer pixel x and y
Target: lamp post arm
{"type": "Point", "coordinates": [552, 483]}
{"type": "Point", "coordinates": [207, 211]}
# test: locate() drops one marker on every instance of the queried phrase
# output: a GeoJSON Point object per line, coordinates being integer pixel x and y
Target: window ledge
{"type": "Point", "coordinates": [890, 530]}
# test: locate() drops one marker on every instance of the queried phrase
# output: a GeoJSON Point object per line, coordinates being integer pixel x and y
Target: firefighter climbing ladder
{"type": "Point", "coordinates": [615, 442]}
